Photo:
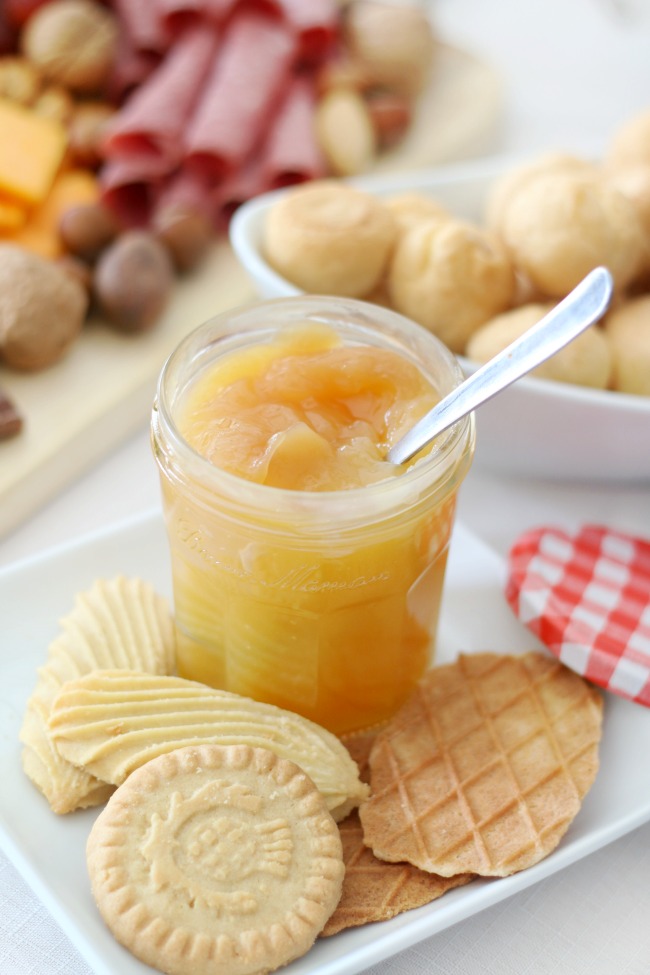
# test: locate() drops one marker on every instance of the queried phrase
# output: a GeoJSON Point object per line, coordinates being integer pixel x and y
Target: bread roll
{"type": "Point", "coordinates": [450, 277]}
{"type": "Point", "coordinates": [329, 238]}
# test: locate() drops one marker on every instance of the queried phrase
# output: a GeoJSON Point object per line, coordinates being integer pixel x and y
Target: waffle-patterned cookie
{"type": "Point", "coordinates": [374, 890]}
{"type": "Point", "coordinates": [485, 766]}
{"type": "Point", "coordinates": [120, 622]}
{"type": "Point", "coordinates": [111, 722]}
{"type": "Point", "coordinates": [216, 860]}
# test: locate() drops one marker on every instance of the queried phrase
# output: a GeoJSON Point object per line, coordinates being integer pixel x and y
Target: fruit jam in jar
{"type": "Point", "coordinates": [307, 570]}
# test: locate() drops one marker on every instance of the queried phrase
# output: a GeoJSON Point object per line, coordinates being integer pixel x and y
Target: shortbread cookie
{"type": "Point", "coordinates": [485, 766]}
{"type": "Point", "coordinates": [329, 238]}
{"type": "Point", "coordinates": [112, 722]}
{"type": "Point", "coordinates": [374, 890]}
{"type": "Point", "coordinates": [216, 860]}
{"type": "Point", "coordinates": [119, 622]}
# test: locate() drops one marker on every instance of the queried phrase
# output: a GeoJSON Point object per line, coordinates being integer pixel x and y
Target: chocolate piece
{"type": "Point", "coordinates": [11, 422]}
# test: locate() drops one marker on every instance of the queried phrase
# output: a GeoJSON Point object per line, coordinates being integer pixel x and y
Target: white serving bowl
{"type": "Point", "coordinates": [535, 427]}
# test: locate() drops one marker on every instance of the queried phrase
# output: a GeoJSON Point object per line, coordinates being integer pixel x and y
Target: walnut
{"type": "Point", "coordinates": [42, 309]}
{"type": "Point", "coordinates": [72, 42]}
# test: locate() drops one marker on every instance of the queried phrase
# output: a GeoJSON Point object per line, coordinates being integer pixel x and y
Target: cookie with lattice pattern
{"type": "Point", "coordinates": [485, 766]}
{"type": "Point", "coordinates": [374, 890]}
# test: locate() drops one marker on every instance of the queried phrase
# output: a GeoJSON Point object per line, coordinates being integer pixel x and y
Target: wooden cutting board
{"type": "Point", "coordinates": [82, 408]}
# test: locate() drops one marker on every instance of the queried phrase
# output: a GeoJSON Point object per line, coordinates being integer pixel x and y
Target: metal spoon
{"type": "Point", "coordinates": [581, 307]}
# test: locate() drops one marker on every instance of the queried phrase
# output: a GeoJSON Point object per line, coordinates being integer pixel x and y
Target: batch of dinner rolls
{"type": "Point", "coordinates": [478, 285]}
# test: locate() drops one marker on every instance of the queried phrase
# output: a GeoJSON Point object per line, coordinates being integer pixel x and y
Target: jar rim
{"type": "Point", "coordinates": [238, 327]}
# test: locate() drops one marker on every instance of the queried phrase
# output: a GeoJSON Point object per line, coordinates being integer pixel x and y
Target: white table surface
{"type": "Point", "coordinates": [573, 70]}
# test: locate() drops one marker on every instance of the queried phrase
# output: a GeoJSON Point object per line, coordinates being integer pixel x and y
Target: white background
{"type": "Point", "coordinates": [572, 70]}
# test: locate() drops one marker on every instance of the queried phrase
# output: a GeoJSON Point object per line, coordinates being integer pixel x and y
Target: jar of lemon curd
{"type": "Point", "coordinates": [307, 570]}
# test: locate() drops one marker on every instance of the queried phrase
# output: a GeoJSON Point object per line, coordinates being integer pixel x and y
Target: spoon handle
{"type": "Point", "coordinates": [582, 307]}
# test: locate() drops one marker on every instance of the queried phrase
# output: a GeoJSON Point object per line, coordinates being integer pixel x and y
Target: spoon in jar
{"type": "Point", "coordinates": [582, 307]}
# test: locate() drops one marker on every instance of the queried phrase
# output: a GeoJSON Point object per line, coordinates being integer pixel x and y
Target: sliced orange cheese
{"type": "Point", "coordinates": [12, 216]}
{"type": "Point", "coordinates": [40, 233]}
{"type": "Point", "coordinates": [31, 150]}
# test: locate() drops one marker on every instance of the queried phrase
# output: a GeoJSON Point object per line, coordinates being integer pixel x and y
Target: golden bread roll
{"type": "Point", "coordinates": [561, 225]}
{"type": "Point", "coordinates": [450, 277]}
{"type": "Point", "coordinates": [329, 238]}
{"type": "Point", "coordinates": [630, 143]}
{"type": "Point", "coordinates": [504, 189]}
{"type": "Point", "coordinates": [410, 209]}
{"type": "Point", "coordinates": [627, 329]}
{"type": "Point", "coordinates": [586, 361]}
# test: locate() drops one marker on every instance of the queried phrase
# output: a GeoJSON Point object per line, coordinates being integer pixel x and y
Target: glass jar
{"type": "Point", "coordinates": [324, 603]}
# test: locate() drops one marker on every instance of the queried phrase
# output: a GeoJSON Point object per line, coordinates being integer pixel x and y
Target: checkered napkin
{"type": "Point", "coordinates": [587, 597]}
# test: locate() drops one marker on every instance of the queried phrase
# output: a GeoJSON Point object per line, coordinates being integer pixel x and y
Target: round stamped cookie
{"type": "Point", "coordinates": [216, 859]}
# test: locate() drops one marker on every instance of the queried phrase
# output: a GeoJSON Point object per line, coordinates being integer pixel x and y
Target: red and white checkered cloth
{"type": "Point", "coordinates": [587, 597]}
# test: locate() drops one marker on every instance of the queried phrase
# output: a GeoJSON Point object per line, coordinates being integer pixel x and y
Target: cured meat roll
{"type": "Point", "coordinates": [143, 24]}
{"type": "Point", "coordinates": [152, 121]}
{"type": "Point", "coordinates": [316, 25]}
{"type": "Point", "coordinates": [245, 85]}
{"type": "Point", "coordinates": [292, 154]}
{"type": "Point", "coordinates": [130, 187]}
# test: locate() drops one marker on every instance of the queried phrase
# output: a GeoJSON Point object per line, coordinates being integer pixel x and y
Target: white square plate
{"type": "Point", "coordinates": [535, 427]}
{"type": "Point", "coordinates": [49, 850]}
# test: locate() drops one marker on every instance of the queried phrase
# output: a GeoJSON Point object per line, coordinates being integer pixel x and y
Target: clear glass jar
{"type": "Point", "coordinates": [325, 603]}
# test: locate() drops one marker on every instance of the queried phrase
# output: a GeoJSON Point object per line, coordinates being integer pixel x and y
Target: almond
{"type": "Point", "coordinates": [345, 132]}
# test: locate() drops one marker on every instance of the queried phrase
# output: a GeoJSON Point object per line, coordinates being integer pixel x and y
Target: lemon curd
{"type": "Point", "coordinates": [307, 570]}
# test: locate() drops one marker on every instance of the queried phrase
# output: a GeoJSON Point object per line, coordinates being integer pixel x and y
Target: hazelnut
{"type": "Point", "coordinates": [186, 234]}
{"type": "Point", "coordinates": [86, 230]}
{"type": "Point", "coordinates": [133, 281]}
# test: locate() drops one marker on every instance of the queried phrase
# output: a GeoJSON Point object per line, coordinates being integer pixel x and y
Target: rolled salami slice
{"type": "Point", "coordinates": [129, 69]}
{"type": "Point", "coordinates": [244, 85]}
{"type": "Point", "coordinates": [247, 182]}
{"type": "Point", "coordinates": [218, 10]}
{"type": "Point", "coordinates": [316, 23]}
{"type": "Point", "coordinates": [143, 24]}
{"type": "Point", "coordinates": [289, 154]}
{"type": "Point", "coordinates": [130, 188]}
{"type": "Point", "coordinates": [178, 15]}
{"type": "Point", "coordinates": [292, 154]}
{"type": "Point", "coordinates": [152, 120]}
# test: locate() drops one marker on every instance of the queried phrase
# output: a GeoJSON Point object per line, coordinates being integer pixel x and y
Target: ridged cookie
{"type": "Point", "coordinates": [112, 722]}
{"type": "Point", "coordinates": [121, 622]}
{"type": "Point", "coordinates": [216, 860]}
